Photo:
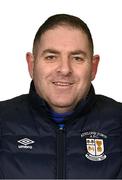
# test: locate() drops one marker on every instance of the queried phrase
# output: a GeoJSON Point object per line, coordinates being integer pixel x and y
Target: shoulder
{"type": "Point", "coordinates": [108, 100]}
{"type": "Point", "coordinates": [109, 105]}
{"type": "Point", "coordinates": [13, 104]}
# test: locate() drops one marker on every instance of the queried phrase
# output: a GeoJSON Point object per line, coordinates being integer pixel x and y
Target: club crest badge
{"type": "Point", "coordinates": [95, 145]}
{"type": "Point", "coordinates": [95, 149]}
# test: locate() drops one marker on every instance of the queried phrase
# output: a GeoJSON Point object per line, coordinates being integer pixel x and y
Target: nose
{"type": "Point", "coordinates": [64, 66]}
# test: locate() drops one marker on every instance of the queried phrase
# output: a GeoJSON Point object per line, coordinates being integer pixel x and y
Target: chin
{"type": "Point", "coordinates": [62, 103]}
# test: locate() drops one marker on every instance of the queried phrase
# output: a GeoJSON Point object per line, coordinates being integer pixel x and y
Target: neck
{"type": "Point", "coordinates": [62, 110]}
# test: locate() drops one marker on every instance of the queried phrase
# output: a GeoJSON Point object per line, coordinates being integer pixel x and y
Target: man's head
{"type": "Point", "coordinates": [62, 20]}
{"type": "Point", "coordinates": [62, 64]}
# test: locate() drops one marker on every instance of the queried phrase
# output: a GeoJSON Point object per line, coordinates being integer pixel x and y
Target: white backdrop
{"type": "Point", "coordinates": [19, 21]}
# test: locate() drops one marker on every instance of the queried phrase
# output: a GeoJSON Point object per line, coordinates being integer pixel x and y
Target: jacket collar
{"type": "Point", "coordinates": [36, 100]}
{"type": "Point", "coordinates": [82, 107]}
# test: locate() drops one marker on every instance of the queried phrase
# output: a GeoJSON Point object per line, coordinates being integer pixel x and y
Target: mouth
{"type": "Point", "coordinates": [62, 84]}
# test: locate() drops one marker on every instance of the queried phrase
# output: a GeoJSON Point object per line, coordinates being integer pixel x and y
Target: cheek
{"type": "Point", "coordinates": [39, 82]}
{"type": "Point", "coordinates": [39, 70]}
{"type": "Point", "coordinates": [85, 74]}
{"type": "Point", "coordinates": [41, 76]}
{"type": "Point", "coordinates": [37, 76]}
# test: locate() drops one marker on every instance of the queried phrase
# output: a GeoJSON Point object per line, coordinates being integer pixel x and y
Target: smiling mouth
{"type": "Point", "coordinates": [63, 84]}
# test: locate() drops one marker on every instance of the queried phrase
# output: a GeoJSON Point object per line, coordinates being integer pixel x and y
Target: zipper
{"type": "Point", "coordinates": [60, 153]}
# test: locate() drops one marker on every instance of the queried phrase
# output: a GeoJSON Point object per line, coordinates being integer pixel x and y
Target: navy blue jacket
{"type": "Point", "coordinates": [33, 146]}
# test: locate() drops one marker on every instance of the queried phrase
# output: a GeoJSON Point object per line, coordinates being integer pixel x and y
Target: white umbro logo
{"type": "Point", "coordinates": [25, 143]}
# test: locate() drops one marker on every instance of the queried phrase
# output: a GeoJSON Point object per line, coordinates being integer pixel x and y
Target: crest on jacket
{"type": "Point", "coordinates": [95, 149]}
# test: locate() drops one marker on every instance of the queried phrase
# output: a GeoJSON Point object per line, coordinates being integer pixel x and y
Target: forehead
{"type": "Point", "coordinates": [64, 36]}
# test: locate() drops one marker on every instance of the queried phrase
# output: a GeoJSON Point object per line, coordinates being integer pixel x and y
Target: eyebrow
{"type": "Point", "coordinates": [75, 52]}
{"type": "Point", "coordinates": [53, 51]}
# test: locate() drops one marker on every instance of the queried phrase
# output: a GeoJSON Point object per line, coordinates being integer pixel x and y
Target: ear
{"type": "Point", "coordinates": [30, 62]}
{"type": "Point", "coordinates": [95, 62]}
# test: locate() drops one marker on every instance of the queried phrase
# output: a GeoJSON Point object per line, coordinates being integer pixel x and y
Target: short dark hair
{"type": "Point", "coordinates": [62, 19]}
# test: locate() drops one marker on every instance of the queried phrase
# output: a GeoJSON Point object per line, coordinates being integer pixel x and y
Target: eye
{"type": "Point", "coordinates": [50, 57]}
{"type": "Point", "coordinates": [78, 58]}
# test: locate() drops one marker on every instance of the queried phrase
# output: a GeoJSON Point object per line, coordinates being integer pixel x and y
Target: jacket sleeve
{"type": "Point", "coordinates": [1, 173]}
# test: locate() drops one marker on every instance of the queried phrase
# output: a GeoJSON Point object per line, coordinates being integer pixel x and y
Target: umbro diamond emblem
{"type": "Point", "coordinates": [25, 143]}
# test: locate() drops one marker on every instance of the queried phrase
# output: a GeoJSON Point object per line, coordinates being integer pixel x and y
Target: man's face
{"type": "Point", "coordinates": [64, 67]}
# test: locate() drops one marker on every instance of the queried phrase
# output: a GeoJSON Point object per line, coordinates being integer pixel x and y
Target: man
{"type": "Point", "coordinates": [61, 129]}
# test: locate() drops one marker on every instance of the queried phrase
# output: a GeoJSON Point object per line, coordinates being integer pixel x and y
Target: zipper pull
{"type": "Point", "coordinates": [61, 126]}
